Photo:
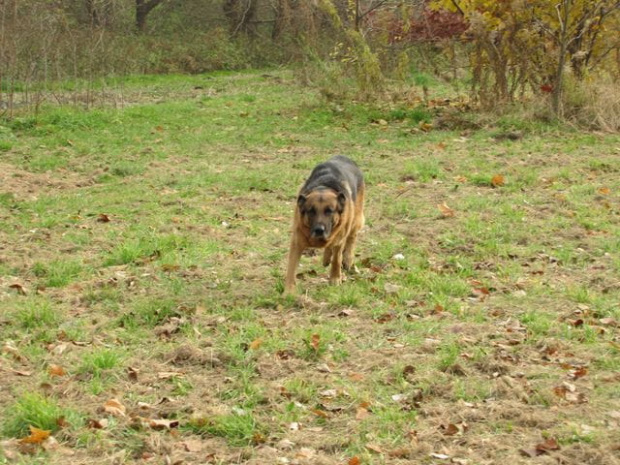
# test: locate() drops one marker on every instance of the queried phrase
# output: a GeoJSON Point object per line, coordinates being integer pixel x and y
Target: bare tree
{"type": "Point", "coordinates": [241, 15]}
{"type": "Point", "coordinates": [143, 8]}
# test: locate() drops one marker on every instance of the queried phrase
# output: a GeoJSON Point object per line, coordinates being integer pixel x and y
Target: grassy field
{"type": "Point", "coordinates": [142, 254]}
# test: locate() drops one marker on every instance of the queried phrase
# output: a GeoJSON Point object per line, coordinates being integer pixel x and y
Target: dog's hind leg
{"type": "Point", "coordinates": [349, 248]}
{"type": "Point", "coordinates": [327, 256]}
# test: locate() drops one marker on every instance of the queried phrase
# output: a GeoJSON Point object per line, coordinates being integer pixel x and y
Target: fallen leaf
{"type": "Point", "coordinates": [132, 374]}
{"type": "Point", "coordinates": [361, 414]}
{"type": "Point", "coordinates": [315, 341]}
{"type": "Point", "coordinates": [305, 453]}
{"type": "Point", "coordinates": [384, 318]}
{"type": "Point", "coordinates": [9, 348]}
{"type": "Point", "coordinates": [458, 461]}
{"type": "Point", "coordinates": [329, 393]}
{"type": "Point", "coordinates": [446, 211]}
{"type": "Point", "coordinates": [324, 368]}
{"type": "Point", "coordinates": [144, 406]}
{"type": "Point", "coordinates": [497, 180]}
{"type": "Point", "coordinates": [103, 218]}
{"type": "Point", "coordinates": [542, 448]}
{"type": "Point", "coordinates": [169, 267]}
{"type": "Point", "coordinates": [114, 407]}
{"type": "Point", "coordinates": [59, 349]}
{"type": "Point", "coordinates": [22, 372]}
{"type": "Point", "coordinates": [450, 430]}
{"type": "Point", "coordinates": [62, 422]}
{"type": "Point", "coordinates": [374, 448]}
{"type": "Point", "coordinates": [391, 288]}
{"type": "Point", "coordinates": [37, 436]}
{"type": "Point", "coordinates": [56, 370]}
{"type": "Point", "coordinates": [354, 461]}
{"type": "Point", "coordinates": [578, 373]}
{"type": "Point", "coordinates": [320, 413]}
{"type": "Point", "coordinates": [530, 452]}
{"type": "Point", "coordinates": [609, 322]}
{"type": "Point", "coordinates": [285, 444]}
{"type": "Point", "coordinates": [21, 290]}
{"type": "Point", "coordinates": [256, 343]}
{"type": "Point", "coordinates": [401, 453]}
{"type": "Point", "coordinates": [548, 445]}
{"type": "Point", "coordinates": [604, 190]}
{"type": "Point", "coordinates": [426, 127]}
{"type": "Point", "coordinates": [285, 354]}
{"type": "Point", "coordinates": [97, 424]}
{"type": "Point", "coordinates": [569, 393]}
{"type": "Point", "coordinates": [408, 371]}
{"type": "Point", "coordinates": [50, 444]}
{"type": "Point", "coordinates": [478, 291]}
{"type": "Point", "coordinates": [160, 424]}
{"type": "Point", "coordinates": [170, 374]}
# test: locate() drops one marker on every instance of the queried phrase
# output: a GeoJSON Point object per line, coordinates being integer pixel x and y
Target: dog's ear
{"type": "Point", "coordinates": [342, 200]}
{"type": "Point", "coordinates": [301, 200]}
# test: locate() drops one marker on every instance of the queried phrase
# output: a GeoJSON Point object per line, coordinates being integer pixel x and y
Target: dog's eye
{"type": "Point", "coordinates": [311, 212]}
{"type": "Point", "coordinates": [329, 211]}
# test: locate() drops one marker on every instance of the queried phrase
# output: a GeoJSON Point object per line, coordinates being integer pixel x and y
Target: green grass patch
{"type": "Point", "coordinates": [32, 409]}
{"type": "Point", "coordinates": [144, 248]}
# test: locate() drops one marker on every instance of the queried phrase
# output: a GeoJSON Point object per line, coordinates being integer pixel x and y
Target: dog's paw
{"type": "Point", "coordinates": [290, 291]}
{"type": "Point", "coordinates": [353, 269]}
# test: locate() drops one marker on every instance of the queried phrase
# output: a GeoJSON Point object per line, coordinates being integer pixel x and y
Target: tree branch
{"type": "Point", "coordinates": [456, 5]}
{"type": "Point", "coordinates": [372, 8]}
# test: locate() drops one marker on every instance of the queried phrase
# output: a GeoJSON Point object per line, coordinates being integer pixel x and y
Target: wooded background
{"type": "Point", "coordinates": [503, 50]}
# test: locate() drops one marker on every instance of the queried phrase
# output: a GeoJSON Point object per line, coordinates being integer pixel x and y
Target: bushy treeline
{"type": "Point", "coordinates": [505, 50]}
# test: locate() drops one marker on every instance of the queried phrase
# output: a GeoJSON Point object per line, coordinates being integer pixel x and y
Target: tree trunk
{"type": "Point", "coordinates": [282, 19]}
{"type": "Point", "coordinates": [563, 10]}
{"type": "Point", "coordinates": [93, 13]}
{"type": "Point", "coordinates": [143, 8]}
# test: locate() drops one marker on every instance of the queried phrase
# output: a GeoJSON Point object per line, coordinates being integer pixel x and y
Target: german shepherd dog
{"type": "Point", "coordinates": [328, 215]}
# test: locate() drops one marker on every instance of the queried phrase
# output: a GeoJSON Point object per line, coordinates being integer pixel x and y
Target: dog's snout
{"type": "Point", "coordinates": [318, 230]}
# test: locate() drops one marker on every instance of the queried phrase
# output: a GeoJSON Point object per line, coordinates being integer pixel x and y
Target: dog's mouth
{"type": "Point", "coordinates": [318, 240]}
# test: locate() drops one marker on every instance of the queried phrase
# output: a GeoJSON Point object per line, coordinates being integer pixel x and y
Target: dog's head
{"type": "Point", "coordinates": [320, 212]}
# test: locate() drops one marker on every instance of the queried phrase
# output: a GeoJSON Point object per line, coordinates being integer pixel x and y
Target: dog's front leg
{"type": "Point", "coordinates": [294, 255]}
{"type": "Point", "coordinates": [335, 275]}
{"type": "Point", "coordinates": [327, 256]}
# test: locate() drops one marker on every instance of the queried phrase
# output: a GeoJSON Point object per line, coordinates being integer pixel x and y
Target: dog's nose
{"type": "Point", "coordinates": [318, 231]}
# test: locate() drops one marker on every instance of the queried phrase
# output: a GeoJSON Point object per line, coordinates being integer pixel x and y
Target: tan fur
{"type": "Point", "coordinates": [339, 245]}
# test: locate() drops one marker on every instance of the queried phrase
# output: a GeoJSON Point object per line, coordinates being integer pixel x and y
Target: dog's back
{"type": "Point", "coordinates": [337, 173]}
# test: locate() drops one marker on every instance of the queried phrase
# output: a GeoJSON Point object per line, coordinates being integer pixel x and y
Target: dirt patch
{"type": "Point", "coordinates": [27, 186]}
